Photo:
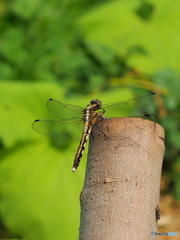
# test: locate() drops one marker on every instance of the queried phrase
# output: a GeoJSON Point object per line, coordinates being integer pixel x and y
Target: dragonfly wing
{"type": "Point", "coordinates": [141, 105]}
{"type": "Point", "coordinates": [64, 111]}
{"type": "Point", "coordinates": [59, 130]}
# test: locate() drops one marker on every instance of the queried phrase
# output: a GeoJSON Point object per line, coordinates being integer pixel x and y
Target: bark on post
{"type": "Point", "coordinates": [122, 182]}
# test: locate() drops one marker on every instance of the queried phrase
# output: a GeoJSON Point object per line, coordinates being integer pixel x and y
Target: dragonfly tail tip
{"type": "Point", "coordinates": [73, 169]}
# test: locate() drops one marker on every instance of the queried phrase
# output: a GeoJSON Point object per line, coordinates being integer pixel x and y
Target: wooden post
{"type": "Point", "coordinates": [122, 182]}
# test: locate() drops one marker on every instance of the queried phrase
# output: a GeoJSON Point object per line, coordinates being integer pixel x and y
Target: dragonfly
{"type": "Point", "coordinates": [72, 119]}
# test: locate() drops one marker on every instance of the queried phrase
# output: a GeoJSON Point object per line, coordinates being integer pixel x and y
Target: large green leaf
{"type": "Point", "coordinates": [118, 25]}
{"type": "Point", "coordinates": [39, 193]}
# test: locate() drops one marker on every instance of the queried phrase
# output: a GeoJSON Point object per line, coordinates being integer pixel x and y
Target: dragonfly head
{"type": "Point", "coordinates": [96, 104]}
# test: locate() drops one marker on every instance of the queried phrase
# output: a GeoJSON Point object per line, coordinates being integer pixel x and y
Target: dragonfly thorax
{"type": "Point", "coordinates": [95, 104]}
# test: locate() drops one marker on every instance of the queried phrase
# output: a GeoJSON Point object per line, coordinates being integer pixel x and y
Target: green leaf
{"type": "Point", "coordinates": [26, 9]}
{"type": "Point", "coordinates": [39, 193]}
{"type": "Point", "coordinates": [117, 25]}
{"type": "Point", "coordinates": [176, 176]}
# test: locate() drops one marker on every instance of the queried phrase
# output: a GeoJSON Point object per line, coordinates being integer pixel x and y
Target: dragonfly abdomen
{"type": "Point", "coordinates": [85, 136]}
{"type": "Point", "coordinates": [81, 148]}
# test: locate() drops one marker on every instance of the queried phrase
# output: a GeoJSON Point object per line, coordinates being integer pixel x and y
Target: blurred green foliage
{"type": "Point", "coordinates": [74, 51]}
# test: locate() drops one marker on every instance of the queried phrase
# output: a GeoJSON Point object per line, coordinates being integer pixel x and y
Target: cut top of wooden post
{"type": "Point", "coordinates": [122, 134]}
{"type": "Point", "coordinates": [122, 183]}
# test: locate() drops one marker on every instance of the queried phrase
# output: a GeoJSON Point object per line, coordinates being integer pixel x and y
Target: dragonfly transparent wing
{"type": "Point", "coordinates": [64, 111]}
{"type": "Point", "coordinates": [138, 106]}
{"type": "Point", "coordinates": [60, 131]}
